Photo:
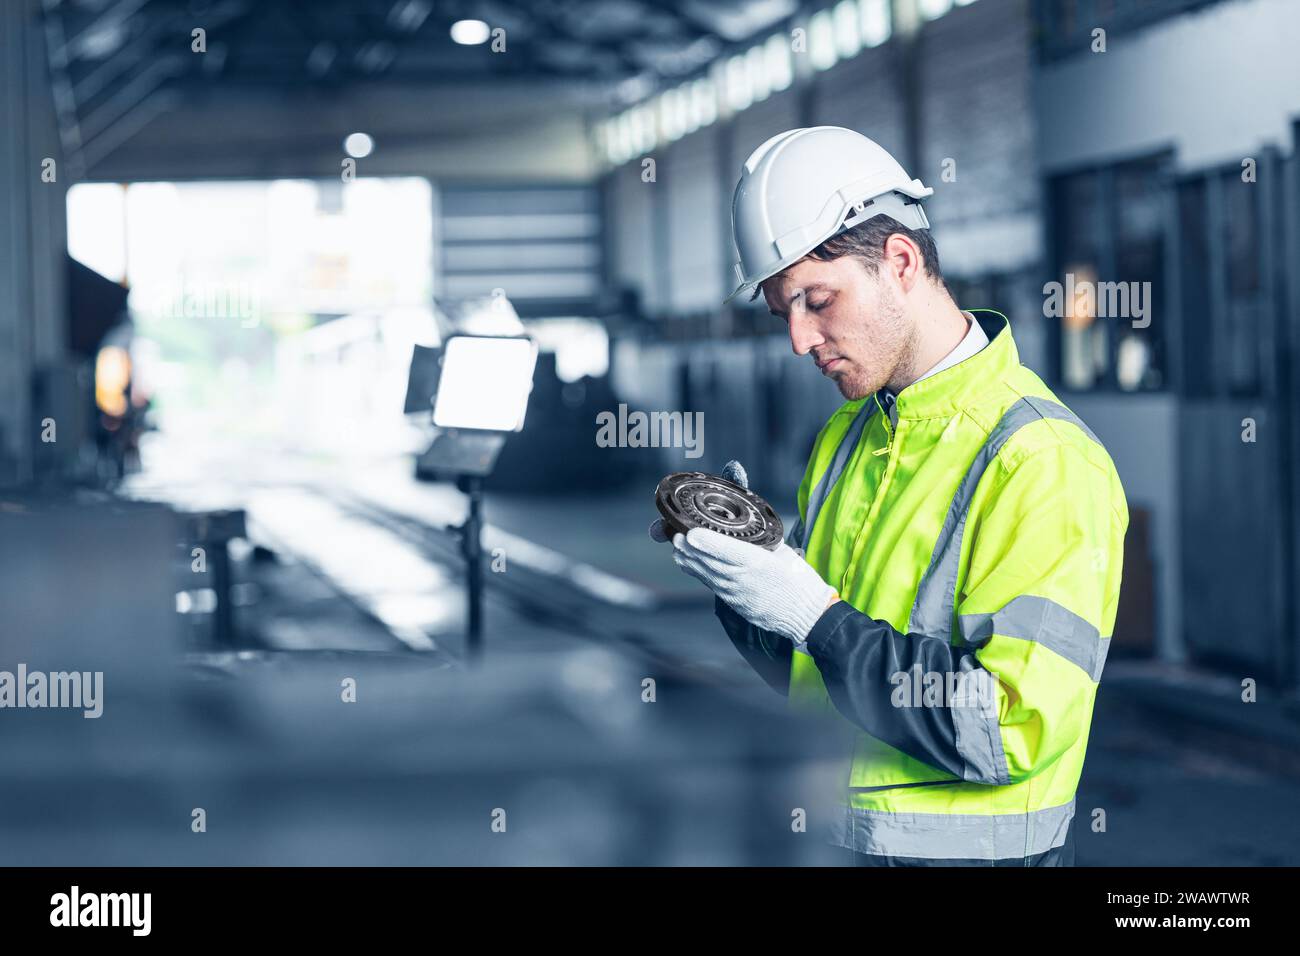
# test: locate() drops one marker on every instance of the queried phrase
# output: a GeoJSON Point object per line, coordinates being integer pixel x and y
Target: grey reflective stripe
{"type": "Point", "coordinates": [795, 537]}
{"type": "Point", "coordinates": [952, 836]}
{"type": "Point", "coordinates": [932, 611]}
{"type": "Point", "coordinates": [836, 468]}
{"type": "Point", "coordinates": [1031, 618]}
{"type": "Point", "coordinates": [976, 733]}
{"type": "Point", "coordinates": [978, 737]}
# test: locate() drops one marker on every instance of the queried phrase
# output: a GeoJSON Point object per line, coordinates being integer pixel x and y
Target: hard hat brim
{"type": "Point", "coordinates": [888, 203]}
{"type": "Point", "coordinates": [742, 288]}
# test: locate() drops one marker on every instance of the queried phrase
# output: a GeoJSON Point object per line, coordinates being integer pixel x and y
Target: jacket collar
{"type": "Point", "coordinates": [968, 382]}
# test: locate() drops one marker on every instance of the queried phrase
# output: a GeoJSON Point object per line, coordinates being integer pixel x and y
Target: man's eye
{"type": "Point", "coordinates": [819, 305]}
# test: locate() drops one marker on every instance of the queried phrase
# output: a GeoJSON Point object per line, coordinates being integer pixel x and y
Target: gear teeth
{"type": "Point", "coordinates": [679, 496]}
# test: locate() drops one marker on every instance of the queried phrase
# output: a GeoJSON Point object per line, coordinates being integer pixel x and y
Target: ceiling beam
{"type": "Point", "coordinates": [115, 16]}
{"type": "Point", "coordinates": [129, 124]}
{"type": "Point", "coordinates": [127, 96]}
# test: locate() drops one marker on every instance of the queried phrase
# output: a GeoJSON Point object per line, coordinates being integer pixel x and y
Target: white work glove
{"type": "Point", "coordinates": [777, 590]}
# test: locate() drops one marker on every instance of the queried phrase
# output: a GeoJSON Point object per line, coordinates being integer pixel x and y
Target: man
{"type": "Point", "coordinates": [960, 531]}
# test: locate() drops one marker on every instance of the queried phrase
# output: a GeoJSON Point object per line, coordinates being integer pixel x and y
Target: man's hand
{"type": "Point", "coordinates": [777, 590]}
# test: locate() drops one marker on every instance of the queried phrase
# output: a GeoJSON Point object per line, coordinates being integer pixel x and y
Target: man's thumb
{"type": "Point", "coordinates": [735, 471]}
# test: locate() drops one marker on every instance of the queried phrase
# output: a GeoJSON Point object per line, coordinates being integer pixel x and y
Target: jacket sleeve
{"type": "Point", "coordinates": [768, 653]}
{"type": "Point", "coordinates": [1015, 689]}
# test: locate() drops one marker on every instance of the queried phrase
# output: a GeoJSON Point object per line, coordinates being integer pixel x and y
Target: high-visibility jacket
{"type": "Point", "coordinates": [977, 547]}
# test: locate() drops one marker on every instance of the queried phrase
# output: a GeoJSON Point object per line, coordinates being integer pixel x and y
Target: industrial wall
{"type": "Point", "coordinates": [1144, 94]}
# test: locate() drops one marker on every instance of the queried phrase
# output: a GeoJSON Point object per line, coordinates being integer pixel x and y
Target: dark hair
{"type": "Point", "coordinates": [867, 242]}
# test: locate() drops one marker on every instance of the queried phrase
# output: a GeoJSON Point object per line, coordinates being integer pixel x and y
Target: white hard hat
{"type": "Point", "coordinates": [805, 185]}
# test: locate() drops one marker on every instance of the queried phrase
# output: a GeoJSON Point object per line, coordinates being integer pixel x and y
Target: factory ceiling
{"type": "Point", "coordinates": [119, 64]}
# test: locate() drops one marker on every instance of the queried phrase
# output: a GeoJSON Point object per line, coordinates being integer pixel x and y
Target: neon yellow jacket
{"type": "Point", "coordinates": [977, 547]}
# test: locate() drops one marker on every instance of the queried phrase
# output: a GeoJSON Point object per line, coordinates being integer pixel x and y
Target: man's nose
{"type": "Point", "coordinates": [804, 335]}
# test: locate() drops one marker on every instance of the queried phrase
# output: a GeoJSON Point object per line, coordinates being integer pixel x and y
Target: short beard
{"type": "Point", "coordinates": [895, 341]}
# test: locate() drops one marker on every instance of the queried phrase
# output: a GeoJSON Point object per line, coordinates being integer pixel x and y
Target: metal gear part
{"type": "Point", "coordinates": [693, 499]}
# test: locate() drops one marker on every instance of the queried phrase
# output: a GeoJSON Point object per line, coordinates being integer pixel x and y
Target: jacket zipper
{"type": "Point", "coordinates": [889, 444]}
{"type": "Point", "coordinates": [889, 431]}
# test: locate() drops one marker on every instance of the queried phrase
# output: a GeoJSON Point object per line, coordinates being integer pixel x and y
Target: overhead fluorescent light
{"type": "Point", "coordinates": [470, 32]}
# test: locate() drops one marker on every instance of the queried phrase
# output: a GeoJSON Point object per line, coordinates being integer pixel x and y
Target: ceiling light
{"type": "Point", "coordinates": [470, 32]}
{"type": "Point", "coordinates": [358, 145]}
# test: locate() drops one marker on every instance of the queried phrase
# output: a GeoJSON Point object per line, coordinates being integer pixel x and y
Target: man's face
{"type": "Point", "coordinates": [848, 318]}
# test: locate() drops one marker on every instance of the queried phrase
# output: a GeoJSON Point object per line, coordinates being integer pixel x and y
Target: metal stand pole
{"type": "Point", "coordinates": [224, 620]}
{"type": "Point", "coordinates": [472, 549]}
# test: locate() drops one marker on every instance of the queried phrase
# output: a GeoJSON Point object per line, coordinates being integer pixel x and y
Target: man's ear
{"type": "Point", "coordinates": [902, 258]}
